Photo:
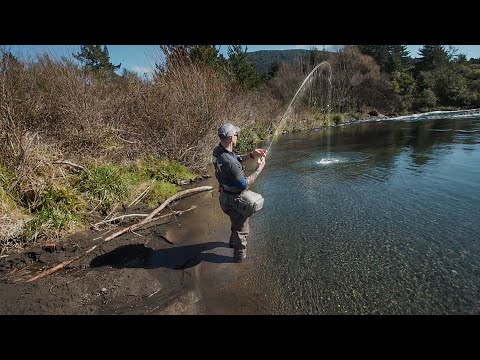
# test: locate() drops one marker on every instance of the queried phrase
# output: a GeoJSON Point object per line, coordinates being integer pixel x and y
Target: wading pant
{"type": "Point", "coordinates": [240, 227]}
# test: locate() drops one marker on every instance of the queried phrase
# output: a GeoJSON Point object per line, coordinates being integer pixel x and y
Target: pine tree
{"type": "Point", "coordinates": [207, 54]}
{"type": "Point", "coordinates": [240, 67]}
{"type": "Point", "coordinates": [174, 56]}
{"type": "Point", "coordinates": [96, 59]}
{"type": "Point", "coordinates": [8, 57]}
{"type": "Point", "coordinates": [274, 67]}
{"type": "Point", "coordinates": [399, 59]}
{"type": "Point", "coordinates": [432, 57]}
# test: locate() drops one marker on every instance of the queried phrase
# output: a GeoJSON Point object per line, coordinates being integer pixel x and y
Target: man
{"type": "Point", "coordinates": [230, 174]}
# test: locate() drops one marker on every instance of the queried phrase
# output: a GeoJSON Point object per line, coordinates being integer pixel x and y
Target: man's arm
{"type": "Point", "coordinates": [258, 170]}
{"type": "Point", "coordinates": [244, 182]}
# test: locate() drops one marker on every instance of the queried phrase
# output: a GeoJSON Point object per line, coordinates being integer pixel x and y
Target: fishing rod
{"type": "Point", "coordinates": [276, 132]}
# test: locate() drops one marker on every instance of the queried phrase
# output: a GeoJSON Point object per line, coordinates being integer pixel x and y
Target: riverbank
{"type": "Point", "coordinates": [182, 266]}
{"type": "Point", "coordinates": [379, 117]}
{"type": "Point", "coordinates": [375, 116]}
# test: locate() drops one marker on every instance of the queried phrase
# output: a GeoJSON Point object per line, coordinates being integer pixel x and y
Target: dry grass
{"type": "Point", "coordinates": [51, 110]}
{"type": "Point", "coordinates": [12, 228]}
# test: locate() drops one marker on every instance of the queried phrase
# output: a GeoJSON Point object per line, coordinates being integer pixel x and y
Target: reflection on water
{"type": "Point", "coordinates": [385, 222]}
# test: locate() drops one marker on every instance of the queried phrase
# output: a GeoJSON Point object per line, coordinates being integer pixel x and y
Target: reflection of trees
{"type": "Point", "coordinates": [384, 142]}
{"type": "Point", "coordinates": [424, 138]}
{"type": "Point", "coordinates": [381, 146]}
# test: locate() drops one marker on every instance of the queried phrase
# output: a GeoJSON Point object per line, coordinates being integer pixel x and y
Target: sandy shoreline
{"type": "Point", "coordinates": [138, 273]}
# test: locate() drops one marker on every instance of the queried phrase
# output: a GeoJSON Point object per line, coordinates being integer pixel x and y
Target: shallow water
{"type": "Point", "coordinates": [375, 218]}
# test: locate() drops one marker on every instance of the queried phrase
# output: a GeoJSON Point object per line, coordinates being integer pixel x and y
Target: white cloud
{"type": "Point", "coordinates": [142, 70]}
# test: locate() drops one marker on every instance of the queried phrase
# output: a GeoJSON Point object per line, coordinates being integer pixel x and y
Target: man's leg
{"type": "Point", "coordinates": [239, 232]}
{"type": "Point", "coordinates": [240, 227]}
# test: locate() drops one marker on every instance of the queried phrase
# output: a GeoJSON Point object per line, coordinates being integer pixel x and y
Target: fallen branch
{"type": "Point", "coordinates": [66, 162]}
{"type": "Point", "coordinates": [167, 215]}
{"type": "Point", "coordinates": [176, 212]}
{"type": "Point", "coordinates": [118, 218]}
{"type": "Point", "coordinates": [60, 266]}
{"type": "Point", "coordinates": [149, 218]}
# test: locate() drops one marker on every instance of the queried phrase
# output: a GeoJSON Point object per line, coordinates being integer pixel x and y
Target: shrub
{"type": "Point", "coordinates": [337, 118]}
{"type": "Point", "coordinates": [246, 141]}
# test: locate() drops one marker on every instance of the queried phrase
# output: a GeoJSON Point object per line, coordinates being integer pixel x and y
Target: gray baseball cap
{"type": "Point", "coordinates": [227, 130]}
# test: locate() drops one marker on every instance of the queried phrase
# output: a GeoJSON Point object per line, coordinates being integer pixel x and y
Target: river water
{"type": "Point", "coordinates": [374, 218]}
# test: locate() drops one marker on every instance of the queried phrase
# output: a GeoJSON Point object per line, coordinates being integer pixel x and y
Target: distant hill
{"type": "Point", "coordinates": [263, 59]}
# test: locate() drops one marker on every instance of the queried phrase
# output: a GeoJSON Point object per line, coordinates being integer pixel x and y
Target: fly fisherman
{"type": "Point", "coordinates": [230, 174]}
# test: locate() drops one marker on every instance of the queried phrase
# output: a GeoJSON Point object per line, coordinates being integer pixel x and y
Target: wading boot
{"type": "Point", "coordinates": [239, 255]}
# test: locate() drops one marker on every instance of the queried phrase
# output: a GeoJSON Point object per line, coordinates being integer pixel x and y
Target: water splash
{"type": "Point", "coordinates": [328, 161]}
{"type": "Point", "coordinates": [348, 157]}
{"type": "Point", "coordinates": [309, 76]}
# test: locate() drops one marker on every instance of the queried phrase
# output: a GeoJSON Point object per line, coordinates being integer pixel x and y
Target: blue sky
{"type": "Point", "coordinates": [140, 58]}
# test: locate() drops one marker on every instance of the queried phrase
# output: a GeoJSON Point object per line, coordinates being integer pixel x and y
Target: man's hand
{"type": "Point", "coordinates": [260, 164]}
{"type": "Point", "coordinates": [258, 153]}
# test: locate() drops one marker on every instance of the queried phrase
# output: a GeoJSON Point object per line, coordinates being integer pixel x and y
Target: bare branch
{"type": "Point", "coordinates": [118, 218]}
{"type": "Point", "coordinates": [67, 162]}
{"type": "Point", "coordinates": [142, 195]}
{"type": "Point", "coordinates": [61, 265]}
{"type": "Point", "coordinates": [149, 218]}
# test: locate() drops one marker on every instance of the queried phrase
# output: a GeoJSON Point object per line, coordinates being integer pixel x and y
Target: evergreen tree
{"type": "Point", "coordinates": [474, 60]}
{"type": "Point", "coordinates": [242, 69]}
{"type": "Point", "coordinates": [399, 59]}
{"type": "Point", "coordinates": [8, 57]}
{"type": "Point", "coordinates": [207, 54]}
{"type": "Point", "coordinates": [432, 57]}
{"type": "Point", "coordinates": [274, 67]}
{"type": "Point", "coordinates": [97, 59]}
{"type": "Point", "coordinates": [367, 50]}
{"type": "Point", "coordinates": [313, 56]}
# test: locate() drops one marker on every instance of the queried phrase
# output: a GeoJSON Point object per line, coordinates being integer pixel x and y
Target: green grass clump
{"type": "Point", "coordinates": [59, 210]}
{"type": "Point", "coordinates": [160, 191]}
{"type": "Point", "coordinates": [164, 170]}
{"type": "Point", "coordinates": [106, 185]}
{"type": "Point", "coordinates": [61, 206]}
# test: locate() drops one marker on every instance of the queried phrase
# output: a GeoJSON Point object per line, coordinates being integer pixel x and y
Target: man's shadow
{"type": "Point", "coordinates": [180, 257]}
